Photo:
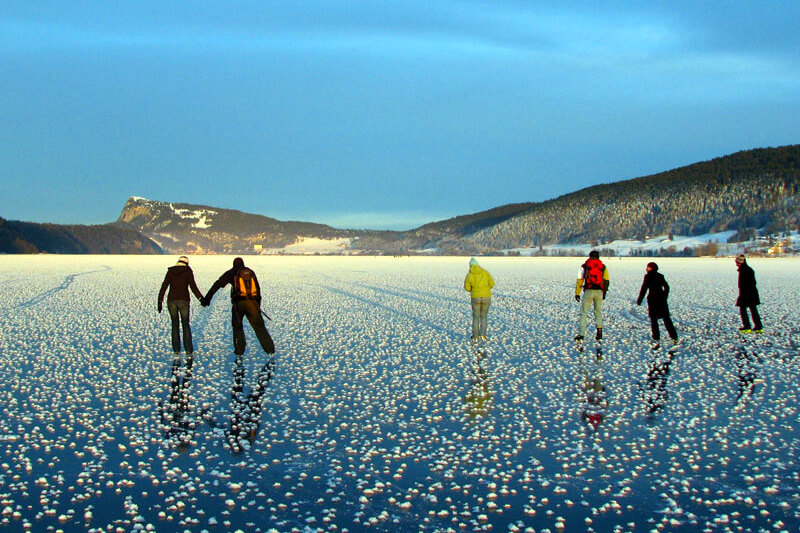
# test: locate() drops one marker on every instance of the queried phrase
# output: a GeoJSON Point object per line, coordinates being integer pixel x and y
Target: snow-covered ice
{"type": "Point", "coordinates": [376, 413]}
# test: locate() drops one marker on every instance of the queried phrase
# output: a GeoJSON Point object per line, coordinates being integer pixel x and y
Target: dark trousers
{"type": "Point", "coordinates": [179, 313]}
{"type": "Point", "coordinates": [251, 310]}
{"type": "Point", "coordinates": [746, 320]}
{"type": "Point", "coordinates": [667, 324]}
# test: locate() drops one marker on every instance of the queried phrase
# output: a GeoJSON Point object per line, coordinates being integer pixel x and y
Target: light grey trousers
{"type": "Point", "coordinates": [591, 297]}
{"type": "Point", "coordinates": [480, 310]}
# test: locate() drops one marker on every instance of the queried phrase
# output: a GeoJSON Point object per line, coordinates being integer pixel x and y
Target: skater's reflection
{"type": "Point", "coordinates": [175, 415]}
{"type": "Point", "coordinates": [594, 401]}
{"type": "Point", "coordinates": [747, 374]}
{"type": "Point", "coordinates": [478, 400]}
{"type": "Point", "coordinates": [654, 391]}
{"type": "Point", "coordinates": [246, 409]}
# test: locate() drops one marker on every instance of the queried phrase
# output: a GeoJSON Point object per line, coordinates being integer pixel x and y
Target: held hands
{"type": "Point", "coordinates": [204, 302]}
{"type": "Point", "coordinates": [577, 297]}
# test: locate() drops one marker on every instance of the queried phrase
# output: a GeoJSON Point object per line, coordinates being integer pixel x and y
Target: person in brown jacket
{"type": "Point", "coordinates": [179, 279]}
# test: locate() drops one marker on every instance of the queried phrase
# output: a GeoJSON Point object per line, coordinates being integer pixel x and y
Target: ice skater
{"type": "Point", "coordinates": [593, 281]}
{"type": "Point", "coordinates": [479, 284]}
{"type": "Point", "coordinates": [180, 279]}
{"type": "Point", "coordinates": [245, 302]}
{"type": "Point", "coordinates": [657, 290]}
{"type": "Point", "coordinates": [748, 297]}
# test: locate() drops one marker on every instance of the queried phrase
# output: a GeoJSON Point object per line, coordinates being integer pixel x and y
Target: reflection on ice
{"type": "Point", "coordinates": [175, 415]}
{"type": "Point", "coordinates": [246, 409]}
{"type": "Point", "coordinates": [478, 399]}
{"type": "Point", "coordinates": [378, 414]}
{"type": "Point", "coordinates": [595, 399]}
{"type": "Point", "coordinates": [654, 392]}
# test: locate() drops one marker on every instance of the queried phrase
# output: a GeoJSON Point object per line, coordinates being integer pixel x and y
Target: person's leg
{"type": "Point", "coordinates": [176, 335]}
{"type": "Point", "coordinates": [598, 308]}
{"type": "Point", "coordinates": [253, 313]}
{"type": "Point", "coordinates": [239, 342]}
{"type": "Point", "coordinates": [585, 304]}
{"type": "Point", "coordinates": [183, 308]}
{"type": "Point", "coordinates": [485, 303]}
{"type": "Point", "coordinates": [670, 327]}
{"type": "Point", "coordinates": [654, 327]}
{"type": "Point", "coordinates": [756, 318]}
{"type": "Point", "coordinates": [745, 318]}
{"type": "Point", "coordinates": [476, 317]}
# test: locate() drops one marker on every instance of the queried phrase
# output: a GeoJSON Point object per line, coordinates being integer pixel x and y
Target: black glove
{"type": "Point", "coordinates": [577, 297]}
{"type": "Point", "coordinates": [159, 307]}
{"type": "Point", "coordinates": [639, 302]}
{"type": "Point", "coordinates": [205, 302]}
{"type": "Point", "coordinates": [604, 295]}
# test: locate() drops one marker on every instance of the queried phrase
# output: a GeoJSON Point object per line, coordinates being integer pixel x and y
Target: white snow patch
{"type": "Point", "coordinates": [313, 245]}
{"type": "Point", "coordinates": [199, 216]}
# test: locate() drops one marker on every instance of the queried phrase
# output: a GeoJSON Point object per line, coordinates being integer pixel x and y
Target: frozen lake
{"type": "Point", "coordinates": [377, 414]}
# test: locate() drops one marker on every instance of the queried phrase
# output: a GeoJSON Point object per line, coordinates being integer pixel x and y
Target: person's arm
{"type": "Point", "coordinates": [163, 291]}
{"type": "Point", "coordinates": [579, 284]}
{"type": "Point", "coordinates": [606, 282]}
{"type": "Point", "coordinates": [223, 280]}
{"type": "Point", "coordinates": [491, 280]}
{"type": "Point", "coordinates": [193, 285]}
{"type": "Point", "coordinates": [642, 291]}
{"type": "Point", "coordinates": [467, 284]}
{"type": "Point", "coordinates": [666, 287]}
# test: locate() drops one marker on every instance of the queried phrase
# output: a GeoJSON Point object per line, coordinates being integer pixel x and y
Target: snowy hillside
{"type": "Point", "coordinates": [742, 191]}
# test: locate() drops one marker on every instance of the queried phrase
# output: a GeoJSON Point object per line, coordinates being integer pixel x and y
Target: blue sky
{"type": "Point", "coordinates": [376, 114]}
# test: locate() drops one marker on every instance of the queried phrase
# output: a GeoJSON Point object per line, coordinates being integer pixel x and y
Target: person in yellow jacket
{"type": "Point", "coordinates": [479, 284]}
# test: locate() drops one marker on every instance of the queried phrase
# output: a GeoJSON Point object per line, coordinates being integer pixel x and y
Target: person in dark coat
{"type": "Point", "coordinates": [179, 279]}
{"type": "Point", "coordinates": [245, 302]}
{"type": "Point", "coordinates": [657, 290]}
{"type": "Point", "coordinates": [748, 297]}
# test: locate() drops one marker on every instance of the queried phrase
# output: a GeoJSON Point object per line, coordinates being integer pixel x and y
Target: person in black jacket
{"type": "Point", "coordinates": [748, 297]}
{"type": "Point", "coordinates": [245, 302]}
{"type": "Point", "coordinates": [657, 290]}
{"type": "Point", "coordinates": [179, 279]}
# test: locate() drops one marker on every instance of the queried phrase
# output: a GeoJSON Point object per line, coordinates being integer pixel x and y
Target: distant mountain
{"type": "Point", "coordinates": [751, 189]}
{"type": "Point", "coordinates": [29, 237]}
{"type": "Point", "coordinates": [179, 228]}
{"type": "Point", "coordinates": [745, 191]}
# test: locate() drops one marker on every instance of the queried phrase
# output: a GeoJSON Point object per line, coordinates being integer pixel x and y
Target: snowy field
{"type": "Point", "coordinates": [377, 414]}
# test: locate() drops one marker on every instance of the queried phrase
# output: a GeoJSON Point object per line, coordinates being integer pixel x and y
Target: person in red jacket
{"type": "Point", "coordinates": [593, 281]}
{"type": "Point", "coordinates": [179, 279]}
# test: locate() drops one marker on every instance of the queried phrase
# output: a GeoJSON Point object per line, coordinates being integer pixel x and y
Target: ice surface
{"type": "Point", "coordinates": [377, 414]}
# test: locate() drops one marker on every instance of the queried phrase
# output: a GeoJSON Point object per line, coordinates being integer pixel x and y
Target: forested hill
{"type": "Point", "coordinates": [750, 189]}
{"type": "Point", "coordinates": [30, 237]}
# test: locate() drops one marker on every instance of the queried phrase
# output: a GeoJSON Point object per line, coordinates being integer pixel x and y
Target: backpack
{"type": "Point", "coordinates": [244, 284]}
{"type": "Point", "coordinates": [593, 273]}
